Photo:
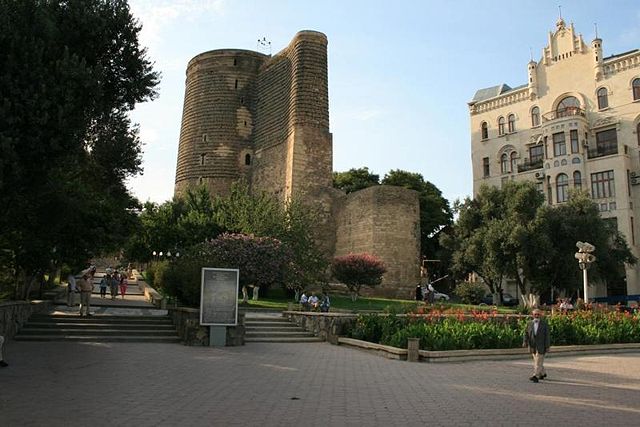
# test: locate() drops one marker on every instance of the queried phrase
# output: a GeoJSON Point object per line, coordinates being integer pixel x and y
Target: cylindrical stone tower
{"type": "Point", "coordinates": [215, 147]}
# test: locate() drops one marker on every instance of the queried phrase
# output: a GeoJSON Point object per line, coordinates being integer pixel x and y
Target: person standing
{"type": "Point", "coordinates": [432, 293]}
{"type": "Point", "coordinates": [114, 282]}
{"type": "Point", "coordinates": [3, 364]}
{"type": "Point", "coordinates": [538, 339]}
{"type": "Point", "coordinates": [124, 282]}
{"type": "Point", "coordinates": [418, 292]}
{"type": "Point", "coordinates": [106, 279]}
{"type": "Point", "coordinates": [71, 290]}
{"type": "Point", "coordinates": [86, 287]}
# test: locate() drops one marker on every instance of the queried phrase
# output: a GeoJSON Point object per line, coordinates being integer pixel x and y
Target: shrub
{"type": "Point", "coordinates": [470, 292]}
{"type": "Point", "coordinates": [356, 270]}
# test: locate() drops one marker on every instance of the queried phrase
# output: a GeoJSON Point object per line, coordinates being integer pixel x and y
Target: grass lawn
{"type": "Point", "coordinates": [278, 300]}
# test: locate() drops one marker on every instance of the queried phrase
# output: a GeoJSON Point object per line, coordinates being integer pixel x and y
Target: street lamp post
{"type": "Point", "coordinates": [585, 258]}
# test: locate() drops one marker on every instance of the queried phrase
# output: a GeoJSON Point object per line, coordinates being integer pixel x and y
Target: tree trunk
{"type": "Point", "coordinates": [245, 295]}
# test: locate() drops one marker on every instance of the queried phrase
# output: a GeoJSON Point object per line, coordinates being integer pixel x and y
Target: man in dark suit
{"type": "Point", "coordinates": [538, 340]}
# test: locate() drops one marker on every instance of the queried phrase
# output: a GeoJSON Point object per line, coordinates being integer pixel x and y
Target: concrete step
{"type": "Point", "coordinates": [299, 333]}
{"type": "Point", "coordinates": [98, 328]}
{"type": "Point", "coordinates": [95, 338]}
{"type": "Point", "coordinates": [95, 331]}
{"type": "Point", "coordinates": [284, 328]}
{"type": "Point", "coordinates": [284, 339]}
{"type": "Point", "coordinates": [98, 324]}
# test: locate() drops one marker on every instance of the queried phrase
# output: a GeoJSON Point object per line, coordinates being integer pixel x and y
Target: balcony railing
{"type": "Point", "coordinates": [528, 166]}
{"type": "Point", "coordinates": [603, 150]}
{"type": "Point", "coordinates": [565, 112]}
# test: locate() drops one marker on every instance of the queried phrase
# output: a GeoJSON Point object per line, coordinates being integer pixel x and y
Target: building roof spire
{"type": "Point", "coordinates": [560, 24]}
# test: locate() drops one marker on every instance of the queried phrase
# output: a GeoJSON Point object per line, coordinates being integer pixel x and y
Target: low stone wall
{"type": "Point", "coordinates": [327, 326]}
{"type": "Point", "coordinates": [187, 322]}
{"type": "Point", "coordinates": [150, 294]}
{"type": "Point", "coordinates": [14, 314]}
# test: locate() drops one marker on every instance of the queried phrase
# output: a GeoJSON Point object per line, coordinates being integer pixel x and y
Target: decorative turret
{"type": "Point", "coordinates": [533, 79]}
{"type": "Point", "coordinates": [596, 47]}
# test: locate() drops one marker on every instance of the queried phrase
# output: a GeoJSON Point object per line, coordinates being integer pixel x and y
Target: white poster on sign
{"type": "Point", "coordinates": [219, 296]}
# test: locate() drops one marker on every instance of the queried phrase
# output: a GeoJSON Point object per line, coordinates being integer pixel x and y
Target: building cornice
{"type": "Point", "coordinates": [621, 63]}
{"type": "Point", "coordinates": [511, 97]}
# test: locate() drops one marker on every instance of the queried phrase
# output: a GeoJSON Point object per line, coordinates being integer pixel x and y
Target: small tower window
{"type": "Point", "coordinates": [535, 116]}
{"type": "Point", "coordinates": [204, 137]}
{"type": "Point", "coordinates": [242, 100]}
{"type": "Point", "coordinates": [247, 159]}
{"type": "Point", "coordinates": [236, 84]}
{"type": "Point", "coordinates": [202, 157]}
{"type": "Point", "coordinates": [200, 180]}
{"type": "Point", "coordinates": [603, 98]}
{"type": "Point", "coordinates": [235, 62]}
{"type": "Point", "coordinates": [636, 89]}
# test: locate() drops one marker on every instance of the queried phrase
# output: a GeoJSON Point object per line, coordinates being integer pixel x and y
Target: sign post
{"type": "Point", "coordinates": [219, 302]}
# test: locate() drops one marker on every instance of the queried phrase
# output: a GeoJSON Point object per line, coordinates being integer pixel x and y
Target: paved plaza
{"type": "Point", "coordinates": [264, 384]}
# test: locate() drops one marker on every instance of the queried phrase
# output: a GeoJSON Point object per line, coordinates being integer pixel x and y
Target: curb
{"type": "Point", "coordinates": [489, 354]}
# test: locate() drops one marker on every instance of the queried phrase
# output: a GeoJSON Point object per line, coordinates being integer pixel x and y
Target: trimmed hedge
{"type": "Point", "coordinates": [486, 331]}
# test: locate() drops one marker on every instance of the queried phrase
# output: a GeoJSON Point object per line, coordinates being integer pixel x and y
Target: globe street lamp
{"type": "Point", "coordinates": [585, 258]}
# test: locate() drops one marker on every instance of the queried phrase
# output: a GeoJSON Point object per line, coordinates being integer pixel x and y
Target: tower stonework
{"type": "Point", "coordinates": [265, 119]}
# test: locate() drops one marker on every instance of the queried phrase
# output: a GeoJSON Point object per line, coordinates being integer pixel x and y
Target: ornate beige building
{"type": "Point", "coordinates": [265, 119]}
{"type": "Point", "coordinates": [574, 124]}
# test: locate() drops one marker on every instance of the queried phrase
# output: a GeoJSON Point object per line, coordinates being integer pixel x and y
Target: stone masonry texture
{"type": "Point", "coordinates": [265, 119]}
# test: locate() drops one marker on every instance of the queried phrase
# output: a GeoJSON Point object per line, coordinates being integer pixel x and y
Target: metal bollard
{"type": "Point", "coordinates": [413, 346]}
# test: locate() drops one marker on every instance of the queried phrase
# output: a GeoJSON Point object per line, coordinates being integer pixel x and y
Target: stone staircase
{"type": "Point", "coordinates": [274, 328]}
{"type": "Point", "coordinates": [98, 328]}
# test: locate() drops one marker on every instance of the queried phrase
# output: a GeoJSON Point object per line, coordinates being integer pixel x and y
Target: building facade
{"type": "Point", "coordinates": [265, 119]}
{"type": "Point", "coordinates": [574, 124]}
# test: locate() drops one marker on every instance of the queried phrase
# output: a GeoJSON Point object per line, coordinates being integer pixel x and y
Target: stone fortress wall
{"type": "Point", "coordinates": [266, 119]}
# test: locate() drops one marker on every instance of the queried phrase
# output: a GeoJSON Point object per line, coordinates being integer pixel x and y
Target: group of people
{"type": "Point", "coordinates": [314, 303]}
{"type": "Point", "coordinates": [115, 281]}
{"type": "Point", "coordinates": [425, 293]}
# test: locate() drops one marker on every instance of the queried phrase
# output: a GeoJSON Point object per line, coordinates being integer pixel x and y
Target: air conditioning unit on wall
{"type": "Point", "coordinates": [539, 175]}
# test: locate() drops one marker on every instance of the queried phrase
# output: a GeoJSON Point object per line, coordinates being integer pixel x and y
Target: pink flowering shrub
{"type": "Point", "coordinates": [356, 270]}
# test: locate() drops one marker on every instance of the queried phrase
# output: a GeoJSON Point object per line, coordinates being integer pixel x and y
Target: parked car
{"type": "Point", "coordinates": [507, 300]}
{"type": "Point", "coordinates": [439, 296]}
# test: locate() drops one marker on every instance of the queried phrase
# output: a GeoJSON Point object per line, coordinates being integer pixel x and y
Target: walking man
{"type": "Point", "coordinates": [538, 339]}
{"type": "Point", "coordinates": [86, 287]}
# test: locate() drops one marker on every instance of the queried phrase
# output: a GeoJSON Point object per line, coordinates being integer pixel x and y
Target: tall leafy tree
{"type": "Point", "coordinates": [568, 223]}
{"type": "Point", "coordinates": [69, 73]}
{"type": "Point", "coordinates": [355, 179]}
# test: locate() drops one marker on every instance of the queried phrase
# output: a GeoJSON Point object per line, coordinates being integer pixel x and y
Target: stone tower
{"type": "Point", "coordinates": [265, 119]}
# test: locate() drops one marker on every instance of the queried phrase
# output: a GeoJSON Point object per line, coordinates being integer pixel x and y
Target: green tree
{"type": "Point", "coordinates": [495, 236]}
{"type": "Point", "coordinates": [355, 179]}
{"type": "Point", "coordinates": [69, 73]}
{"type": "Point", "coordinates": [357, 270]}
{"type": "Point", "coordinates": [568, 223]}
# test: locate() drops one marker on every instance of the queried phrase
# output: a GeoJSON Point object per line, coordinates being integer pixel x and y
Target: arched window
{"type": "Point", "coordinates": [636, 89]}
{"type": "Point", "coordinates": [504, 163]}
{"type": "Point", "coordinates": [535, 116]}
{"type": "Point", "coordinates": [569, 106]}
{"type": "Point", "coordinates": [562, 188]}
{"type": "Point", "coordinates": [247, 159]}
{"type": "Point", "coordinates": [603, 98]}
{"type": "Point", "coordinates": [484, 130]}
{"type": "Point", "coordinates": [514, 162]}
{"type": "Point", "coordinates": [501, 126]}
{"type": "Point", "coordinates": [512, 123]}
{"type": "Point", "coordinates": [577, 180]}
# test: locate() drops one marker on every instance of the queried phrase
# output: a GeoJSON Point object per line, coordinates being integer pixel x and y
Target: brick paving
{"type": "Point", "coordinates": [263, 384]}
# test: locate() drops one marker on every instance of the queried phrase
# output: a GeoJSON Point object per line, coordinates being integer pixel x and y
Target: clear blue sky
{"type": "Point", "coordinates": [400, 72]}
